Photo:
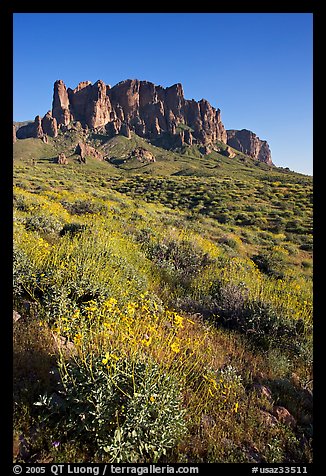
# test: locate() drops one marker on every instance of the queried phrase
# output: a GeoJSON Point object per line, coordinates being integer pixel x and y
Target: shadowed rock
{"type": "Point", "coordinates": [247, 142]}
{"type": "Point", "coordinates": [49, 125]}
{"type": "Point", "coordinates": [85, 150]}
{"type": "Point", "coordinates": [32, 129]}
{"type": "Point", "coordinates": [62, 159]}
{"type": "Point", "coordinates": [143, 155]}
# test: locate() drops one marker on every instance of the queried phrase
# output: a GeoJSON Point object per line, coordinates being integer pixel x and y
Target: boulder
{"type": "Point", "coordinates": [228, 152]}
{"type": "Point", "coordinates": [284, 416]}
{"type": "Point", "coordinates": [85, 150]}
{"type": "Point", "coordinates": [62, 159]}
{"type": "Point", "coordinates": [143, 155]}
{"type": "Point", "coordinates": [267, 418]}
{"type": "Point", "coordinates": [263, 392]}
{"type": "Point", "coordinates": [125, 130]}
{"type": "Point", "coordinates": [16, 316]}
{"type": "Point", "coordinates": [205, 150]}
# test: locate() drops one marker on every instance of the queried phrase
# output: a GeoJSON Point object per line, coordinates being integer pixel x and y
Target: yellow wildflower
{"type": "Point", "coordinates": [175, 347]}
{"type": "Point", "coordinates": [178, 320]}
{"type": "Point", "coordinates": [147, 340]}
{"type": "Point", "coordinates": [78, 338]}
{"type": "Point", "coordinates": [109, 356]}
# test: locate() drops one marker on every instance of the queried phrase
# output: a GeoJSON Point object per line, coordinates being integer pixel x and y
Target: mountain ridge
{"type": "Point", "coordinates": [151, 111]}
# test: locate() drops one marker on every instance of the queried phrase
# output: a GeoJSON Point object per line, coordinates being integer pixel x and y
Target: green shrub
{"type": "Point", "coordinates": [306, 264]}
{"type": "Point", "coordinates": [226, 387]}
{"type": "Point", "coordinates": [179, 259]}
{"type": "Point", "coordinates": [229, 241]}
{"type": "Point", "coordinates": [242, 219]}
{"type": "Point", "coordinates": [307, 247]}
{"type": "Point", "coordinates": [258, 320]}
{"type": "Point", "coordinates": [43, 224]}
{"type": "Point", "coordinates": [72, 229]}
{"type": "Point", "coordinates": [25, 204]}
{"type": "Point", "coordinates": [129, 410]}
{"type": "Point", "coordinates": [271, 261]}
{"type": "Point", "coordinates": [230, 301]}
{"type": "Point", "coordinates": [22, 271]}
{"type": "Point", "coordinates": [20, 203]}
{"type": "Point", "coordinates": [82, 207]}
{"type": "Point", "coordinates": [55, 301]}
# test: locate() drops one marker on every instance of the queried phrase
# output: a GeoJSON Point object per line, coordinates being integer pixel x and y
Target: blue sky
{"type": "Point", "coordinates": [257, 68]}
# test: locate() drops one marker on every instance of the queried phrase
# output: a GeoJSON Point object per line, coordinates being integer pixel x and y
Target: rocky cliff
{"type": "Point", "coordinates": [247, 142]}
{"type": "Point", "coordinates": [131, 105]}
{"type": "Point", "coordinates": [148, 110]}
{"type": "Point", "coordinates": [138, 106]}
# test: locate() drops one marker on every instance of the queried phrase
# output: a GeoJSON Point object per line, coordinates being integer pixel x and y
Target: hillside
{"type": "Point", "coordinates": [160, 288]}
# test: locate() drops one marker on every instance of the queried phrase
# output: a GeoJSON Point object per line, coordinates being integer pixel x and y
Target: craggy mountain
{"type": "Point", "coordinates": [161, 115]}
{"type": "Point", "coordinates": [247, 142]}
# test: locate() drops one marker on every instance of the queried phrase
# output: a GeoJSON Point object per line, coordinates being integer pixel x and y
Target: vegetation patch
{"type": "Point", "coordinates": [164, 315]}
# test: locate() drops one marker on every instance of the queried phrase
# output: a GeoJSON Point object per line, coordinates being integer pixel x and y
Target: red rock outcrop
{"type": "Point", "coordinates": [146, 109]}
{"type": "Point", "coordinates": [138, 106]}
{"type": "Point", "coordinates": [143, 155]}
{"type": "Point", "coordinates": [49, 125]}
{"type": "Point", "coordinates": [60, 105]}
{"type": "Point", "coordinates": [38, 127]}
{"type": "Point", "coordinates": [247, 142]}
{"type": "Point", "coordinates": [32, 129]}
{"type": "Point", "coordinates": [85, 150]}
{"type": "Point", "coordinates": [228, 152]}
{"type": "Point", "coordinates": [89, 104]}
{"type": "Point", "coordinates": [62, 159]}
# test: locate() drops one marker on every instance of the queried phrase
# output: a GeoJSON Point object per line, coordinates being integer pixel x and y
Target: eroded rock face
{"type": "Point", "coordinates": [62, 159]}
{"type": "Point", "coordinates": [138, 106]}
{"type": "Point", "coordinates": [98, 106]}
{"type": "Point", "coordinates": [60, 104]}
{"type": "Point", "coordinates": [247, 142]}
{"type": "Point", "coordinates": [145, 109]}
{"type": "Point", "coordinates": [228, 152]}
{"type": "Point", "coordinates": [33, 129]}
{"type": "Point", "coordinates": [85, 150]}
{"type": "Point", "coordinates": [49, 125]}
{"type": "Point", "coordinates": [143, 155]}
